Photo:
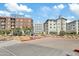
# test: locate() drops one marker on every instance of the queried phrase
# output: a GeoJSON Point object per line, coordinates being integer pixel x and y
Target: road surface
{"type": "Point", "coordinates": [40, 47]}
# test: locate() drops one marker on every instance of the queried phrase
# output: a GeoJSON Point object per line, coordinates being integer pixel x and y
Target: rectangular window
{"type": "Point", "coordinates": [50, 27]}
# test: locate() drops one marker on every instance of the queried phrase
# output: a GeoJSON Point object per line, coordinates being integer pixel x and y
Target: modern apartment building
{"type": "Point", "coordinates": [55, 25]}
{"type": "Point", "coordinates": [50, 26]}
{"type": "Point", "coordinates": [8, 23]}
{"type": "Point", "coordinates": [73, 26]}
{"type": "Point", "coordinates": [38, 28]}
{"type": "Point", "coordinates": [61, 24]}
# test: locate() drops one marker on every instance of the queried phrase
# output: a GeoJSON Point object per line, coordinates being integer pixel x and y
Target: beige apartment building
{"type": "Point", "coordinates": [73, 27]}
{"type": "Point", "coordinates": [55, 25]}
{"type": "Point", "coordinates": [50, 26]}
{"type": "Point", "coordinates": [61, 24]}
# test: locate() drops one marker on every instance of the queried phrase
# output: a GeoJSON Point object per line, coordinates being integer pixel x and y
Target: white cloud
{"type": "Point", "coordinates": [50, 12]}
{"type": "Point", "coordinates": [74, 8]}
{"type": "Point", "coordinates": [4, 13]}
{"type": "Point", "coordinates": [55, 7]}
{"type": "Point", "coordinates": [70, 18]}
{"type": "Point", "coordinates": [21, 13]}
{"type": "Point", "coordinates": [60, 6]}
{"type": "Point", "coordinates": [45, 8]}
{"type": "Point", "coordinates": [68, 21]}
{"type": "Point", "coordinates": [27, 15]}
{"type": "Point", "coordinates": [16, 7]}
{"type": "Point", "coordinates": [44, 11]}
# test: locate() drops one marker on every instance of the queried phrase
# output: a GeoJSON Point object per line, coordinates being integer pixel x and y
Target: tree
{"type": "Point", "coordinates": [17, 32]}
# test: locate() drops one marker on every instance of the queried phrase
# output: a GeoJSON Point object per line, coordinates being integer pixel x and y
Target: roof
{"type": "Point", "coordinates": [50, 20]}
{"type": "Point", "coordinates": [15, 17]}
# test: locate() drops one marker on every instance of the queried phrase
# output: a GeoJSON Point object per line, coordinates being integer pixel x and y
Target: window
{"type": "Point", "coordinates": [50, 24]}
{"type": "Point", "coordinates": [50, 27]}
{"type": "Point", "coordinates": [73, 28]}
{"type": "Point", "coordinates": [3, 27]}
{"type": "Point", "coordinates": [54, 27]}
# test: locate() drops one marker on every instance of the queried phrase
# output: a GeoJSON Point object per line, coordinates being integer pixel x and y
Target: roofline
{"type": "Point", "coordinates": [72, 21]}
{"type": "Point", "coordinates": [49, 20]}
{"type": "Point", "coordinates": [14, 17]}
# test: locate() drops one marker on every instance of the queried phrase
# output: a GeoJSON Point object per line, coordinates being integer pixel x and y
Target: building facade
{"type": "Point", "coordinates": [38, 28]}
{"type": "Point", "coordinates": [61, 24]}
{"type": "Point", "coordinates": [55, 26]}
{"type": "Point", "coordinates": [8, 23]}
{"type": "Point", "coordinates": [50, 26]}
{"type": "Point", "coordinates": [24, 23]}
{"type": "Point", "coordinates": [73, 27]}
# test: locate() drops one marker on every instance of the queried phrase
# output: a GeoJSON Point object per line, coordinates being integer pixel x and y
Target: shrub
{"type": "Point", "coordinates": [7, 31]}
{"type": "Point", "coordinates": [62, 33]}
{"type": "Point", "coordinates": [2, 32]}
{"type": "Point", "coordinates": [53, 33]}
{"type": "Point", "coordinates": [72, 33]}
{"type": "Point", "coordinates": [17, 32]}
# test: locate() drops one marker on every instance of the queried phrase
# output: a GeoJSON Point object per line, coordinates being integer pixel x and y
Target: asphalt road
{"type": "Point", "coordinates": [41, 47]}
{"type": "Point", "coordinates": [25, 49]}
{"type": "Point", "coordinates": [56, 43]}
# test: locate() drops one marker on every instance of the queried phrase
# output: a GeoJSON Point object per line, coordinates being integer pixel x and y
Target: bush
{"type": "Point", "coordinates": [2, 32]}
{"type": "Point", "coordinates": [17, 32]}
{"type": "Point", "coordinates": [27, 31]}
{"type": "Point", "coordinates": [7, 31]}
{"type": "Point", "coordinates": [72, 33]}
{"type": "Point", "coordinates": [53, 33]}
{"type": "Point", "coordinates": [62, 33]}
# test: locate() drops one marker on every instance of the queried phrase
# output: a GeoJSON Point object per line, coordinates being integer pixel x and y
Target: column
{"type": "Point", "coordinates": [76, 26]}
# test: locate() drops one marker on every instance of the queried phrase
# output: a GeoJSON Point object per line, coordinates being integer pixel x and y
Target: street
{"type": "Point", "coordinates": [41, 47]}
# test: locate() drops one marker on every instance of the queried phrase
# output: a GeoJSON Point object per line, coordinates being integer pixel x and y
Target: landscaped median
{"type": "Point", "coordinates": [26, 38]}
{"type": "Point", "coordinates": [66, 37]}
{"type": "Point", "coordinates": [5, 38]}
{"type": "Point", "coordinates": [19, 38]}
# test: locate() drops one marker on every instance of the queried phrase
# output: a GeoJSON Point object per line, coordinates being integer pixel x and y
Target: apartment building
{"type": "Point", "coordinates": [8, 23]}
{"type": "Point", "coordinates": [55, 25]}
{"type": "Point", "coordinates": [50, 26]}
{"type": "Point", "coordinates": [24, 23]}
{"type": "Point", "coordinates": [73, 26]}
{"type": "Point", "coordinates": [38, 28]}
{"type": "Point", "coordinates": [61, 24]}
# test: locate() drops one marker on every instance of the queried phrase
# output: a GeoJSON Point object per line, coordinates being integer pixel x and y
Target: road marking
{"type": "Point", "coordinates": [9, 51]}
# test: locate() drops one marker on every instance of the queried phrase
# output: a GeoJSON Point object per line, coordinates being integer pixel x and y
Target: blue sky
{"type": "Point", "coordinates": [40, 12]}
